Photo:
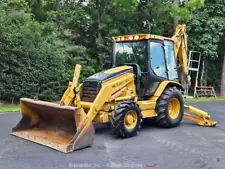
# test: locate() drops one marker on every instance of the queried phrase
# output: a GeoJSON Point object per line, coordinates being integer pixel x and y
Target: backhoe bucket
{"type": "Point", "coordinates": [60, 127]}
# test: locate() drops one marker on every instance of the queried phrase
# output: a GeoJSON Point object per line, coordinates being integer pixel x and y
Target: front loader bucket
{"type": "Point", "coordinates": [59, 127]}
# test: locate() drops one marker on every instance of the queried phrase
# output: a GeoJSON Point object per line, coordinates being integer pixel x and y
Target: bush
{"type": "Point", "coordinates": [31, 56]}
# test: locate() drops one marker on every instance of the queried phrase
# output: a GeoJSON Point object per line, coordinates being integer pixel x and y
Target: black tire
{"type": "Point", "coordinates": [118, 124]}
{"type": "Point", "coordinates": [162, 108]}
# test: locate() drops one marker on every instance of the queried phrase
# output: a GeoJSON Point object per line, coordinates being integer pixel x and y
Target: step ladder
{"type": "Point", "coordinates": [194, 60]}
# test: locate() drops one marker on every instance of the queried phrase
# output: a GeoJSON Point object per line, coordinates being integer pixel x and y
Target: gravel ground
{"type": "Point", "coordinates": [185, 147]}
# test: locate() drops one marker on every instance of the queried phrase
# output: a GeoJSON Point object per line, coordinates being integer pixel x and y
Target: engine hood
{"type": "Point", "coordinates": [110, 73]}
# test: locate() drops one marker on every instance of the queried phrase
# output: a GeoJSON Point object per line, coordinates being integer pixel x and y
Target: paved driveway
{"type": "Point", "coordinates": [186, 147]}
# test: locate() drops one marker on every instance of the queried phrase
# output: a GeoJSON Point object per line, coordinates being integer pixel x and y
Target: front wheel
{"type": "Point", "coordinates": [126, 119]}
{"type": "Point", "coordinates": [170, 108]}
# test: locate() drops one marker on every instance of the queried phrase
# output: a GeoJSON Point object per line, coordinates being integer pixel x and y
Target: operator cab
{"type": "Point", "coordinates": [152, 57]}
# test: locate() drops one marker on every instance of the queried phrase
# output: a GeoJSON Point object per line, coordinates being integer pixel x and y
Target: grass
{"type": "Point", "coordinates": [4, 108]}
{"type": "Point", "coordinates": [204, 99]}
{"type": "Point", "coordinates": [9, 108]}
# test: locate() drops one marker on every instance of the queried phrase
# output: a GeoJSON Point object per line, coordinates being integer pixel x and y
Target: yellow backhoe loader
{"type": "Point", "coordinates": [144, 79]}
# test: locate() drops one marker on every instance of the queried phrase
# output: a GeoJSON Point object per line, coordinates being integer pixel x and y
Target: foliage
{"type": "Point", "coordinates": [31, 58]}
{"type": "Point", "coordinates": [39, 45]}
{"type": "Point", "coordinates": [206, 34]}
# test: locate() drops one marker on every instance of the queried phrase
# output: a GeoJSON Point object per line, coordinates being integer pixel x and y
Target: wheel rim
{"type": "Point", "coordinates": [130, 119]}
{"type": "Point", "coordinates": [174, 108]}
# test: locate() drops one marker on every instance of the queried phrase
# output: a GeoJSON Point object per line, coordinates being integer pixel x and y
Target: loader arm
{"type": "Point", "coordinates": [69, 94]}
{"type": "Point", "coordinates": [106, 94]}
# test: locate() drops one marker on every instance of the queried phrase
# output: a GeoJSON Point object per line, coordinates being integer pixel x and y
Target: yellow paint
{"type": "Point", "coordinates": [130, 120]}
{"type": "Point", "coordinates": [69, 93]}
{"type": "Point", "coordinates": [180, 47]}
{"type": "Point", "coordinates": [149, 113]}
{"type": "Point", "coordinates": [131, 38]}
{"type": "Point", "coordinates": [124, 98]}
{"type": "Point", "coordinates": [27, 111]}
{"type": "Point", "coordinates": [118, 93]}
{"type": "Point", "coordinates": [146, 105]}
{"type": "Point", "coordinates": [174, 108]}
{"type": "Point", "coordinates": [163, 85]}
{"type": "Point", "coordinates": [107, 106]}
{"type": "Point", "coordinates": [201, 117]}
{"type": "Point", "coordinates": [86, 105]}
{"type": "Point", "coordinates": [197, 111]}
{"type": "Point", "coordinates": [102, 117]}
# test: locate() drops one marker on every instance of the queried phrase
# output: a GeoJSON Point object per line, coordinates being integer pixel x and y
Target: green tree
{"type": "Point", "coordinates": [206, 34]}
{"type": "Point", "coordinates": [43, 43]}
{"type": "Point", "coordinates": [32, 57]}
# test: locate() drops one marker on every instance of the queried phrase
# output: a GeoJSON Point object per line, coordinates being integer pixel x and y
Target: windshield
{"type": "Point", "coordinates": [132, 52]}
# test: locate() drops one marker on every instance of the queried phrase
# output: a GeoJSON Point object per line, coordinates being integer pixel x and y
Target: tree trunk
{"type": "Point", "coordinates": [149, 26]}
{"type": "Point", "coordinates": [202, 74]}
{"type": "Point", "coordinates": [98, 7]}
{"type": "Point", "coordinates": [222, 84]}
{"type": "Point", "coordinates": [175, 20]}
{"type": "Point", "coordinates": [57, 5]}
{"type": "Point", "coordinates": [206, 73]}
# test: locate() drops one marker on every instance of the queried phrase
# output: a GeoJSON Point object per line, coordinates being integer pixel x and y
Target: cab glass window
{"type": "Point", "coordinates": [171, 61]}
{"type": "Point", "coordinates": [157, 59]}
{"type": "Point", "coordinates": [132, 52]}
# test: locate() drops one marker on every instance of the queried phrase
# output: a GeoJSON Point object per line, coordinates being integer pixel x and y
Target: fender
{"type": "Point", "coordinates": [165, 84]}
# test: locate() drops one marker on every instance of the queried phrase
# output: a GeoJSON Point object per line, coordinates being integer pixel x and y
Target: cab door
{"type": "Point", "coordinates": [157, 59]}
{"type": "Point", "coordinates": [157, 69]}
{"type": "Point", "coordinates": [171, 60]}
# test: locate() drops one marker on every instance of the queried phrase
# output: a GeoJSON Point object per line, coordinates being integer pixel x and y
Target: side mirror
{"type": "Point", "coordinates": [107, 65]}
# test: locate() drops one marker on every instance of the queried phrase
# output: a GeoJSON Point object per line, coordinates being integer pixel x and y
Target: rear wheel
{"type": "Point", "coordinates": [170, 108]}
{"type": "Point", "coordinates": [126, 119]}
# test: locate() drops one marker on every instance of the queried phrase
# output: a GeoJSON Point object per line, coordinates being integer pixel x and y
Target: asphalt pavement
{"type": "Point", "coordinates": [185, 147]}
